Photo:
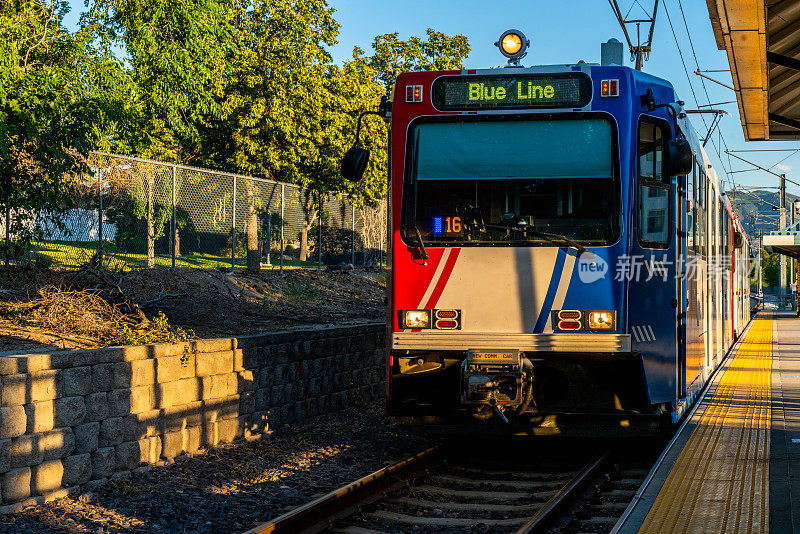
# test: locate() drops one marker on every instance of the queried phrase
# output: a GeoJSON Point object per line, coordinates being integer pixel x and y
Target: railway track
{"type": "Point", "coordinates": [480, 486]}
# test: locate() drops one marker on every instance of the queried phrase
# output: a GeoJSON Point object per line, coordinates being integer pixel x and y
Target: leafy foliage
{"type": "Point", "coordinates": [57, 102]}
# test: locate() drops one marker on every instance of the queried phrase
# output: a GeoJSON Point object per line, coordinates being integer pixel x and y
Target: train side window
{"type": "Point", "coordinates": [701, 212]}
{"type": "Point", "coordinates": [653, 192]}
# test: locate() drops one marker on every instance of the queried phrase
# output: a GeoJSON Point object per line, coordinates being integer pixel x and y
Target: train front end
{"type": "Point", "coordinates": [511, 209]}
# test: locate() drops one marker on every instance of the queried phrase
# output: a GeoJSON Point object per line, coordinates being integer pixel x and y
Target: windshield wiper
{"type": "Point", "coordinates": [553, 238]}
{"type": "Point", "coordinates": [421, 245]}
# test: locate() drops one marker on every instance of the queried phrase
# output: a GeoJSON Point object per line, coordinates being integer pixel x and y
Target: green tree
{"type": "Point", "coordinates": [59, 99]}
{"type": "Point", "coordinates": [439, 51]}
{"type": "Point", "coordinates": [178, 52]}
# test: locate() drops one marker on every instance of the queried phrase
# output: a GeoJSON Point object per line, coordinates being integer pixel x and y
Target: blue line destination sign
{"type": "Point", "coordinates": [465, 93]}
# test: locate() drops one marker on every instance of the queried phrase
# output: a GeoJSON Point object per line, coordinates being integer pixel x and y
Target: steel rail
{"type": "Point", "coordinates": [316, 515]}
{"type": "Point", "coordinates": [547, 514]}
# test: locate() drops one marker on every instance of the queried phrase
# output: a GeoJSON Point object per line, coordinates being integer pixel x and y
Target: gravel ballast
{"type": "Point", "coordinates": [234, 487]}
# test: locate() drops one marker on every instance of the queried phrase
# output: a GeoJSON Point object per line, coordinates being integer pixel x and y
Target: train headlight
{"type": "Point", "coordinates": [601, 320]}
{"type": "Point", "coordinates": [513, 44]}
{"type": "Point", "coordinates": [416, 319]}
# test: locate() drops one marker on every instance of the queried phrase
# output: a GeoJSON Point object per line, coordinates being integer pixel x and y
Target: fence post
{"type": "Point", "coordinates": [353, 235]}
{"type": "Point", "coordinates": [319, 232]}
{"type": "Point", "coordinates": [282, 225]}
{"type": "Point", "coordinates": [174, 220]}
{"type": "Point", "coordinates": [233, 228]}
{"type": "Point", "coordinates": [384, 222]}
{"type": "Point", "coordinates": [100, 217]}
{"type": "Point", "coordinates": [269, 236]}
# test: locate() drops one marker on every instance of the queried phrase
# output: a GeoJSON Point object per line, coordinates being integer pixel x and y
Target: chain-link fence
{"type": "Point", "coordinates": [137, 213]}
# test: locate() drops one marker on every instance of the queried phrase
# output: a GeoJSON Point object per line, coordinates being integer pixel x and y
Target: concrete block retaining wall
{"type": "Point", "coordinates": [70, 420]}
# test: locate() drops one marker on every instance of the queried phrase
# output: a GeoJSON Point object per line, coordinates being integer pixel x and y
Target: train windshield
{"type": "Point", "coordinates": [514, 182]}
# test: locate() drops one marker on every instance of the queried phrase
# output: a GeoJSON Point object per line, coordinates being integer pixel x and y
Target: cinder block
{"type": "Point", "coordinates": [217, 386]}
{"type": "Point", "coordinates": [168, 369]}
{"type": "Point", "coordinates": [75, 381]}
{"type": "Point", "coordinates": [191, 439]}
{"type": "Point", "coordinates": [25, 451]}
{"type": "Point", "coordinates": [247, 402]}
{"type": "Point", "coordinates": [143, 372]}
{"type": "Point", "coordinates": [119, 402]}
{"type": "Point", "coordinates": [123, 374]}
{"type": "Point", "coordinates": [188, 365]}
{"type": "Point", "coordinates": [238, 361]}
{"type": "Point", "coordinates": [214, 363]}
{"type": "Point", "coordinates": [5, 460]}
{"type": "Point", "coordinates": [128, 455]}
{"type": "Point", "coordinates": [17, 484]}
{"type": "Point", "coordinates": [97, 406]}
{"type": "Point", "coordinates": [229, 407]}
{"type": "Point", "coordinates": [9, 365]}
{"type": "Point", "coordinates": [210, 434]}
{"type": "Point", "coordinates": [276, 395]}
{"type": "Point", "coordinates": [214, 345]}
{"type": "Point", "coordinates": [150, 423]}
{"type": "Point", "coordinates": [46, 477]}
{"type": "Point", "coordinates": [246, 381]}
{"type": "Point", "coordinates": [40, 416]}
{"type": "Point", "coordinates": [171, 445]}
{"type": "Point", "coordinates": [69, 411]}
{"type": "Point", "coordinates": [103, 462]}
{"type": "Point", "coordinates": [169, 394]}
{"type": "Point", "coordinates": [87, 437]}
{"type": "Point", "coordinates": [43, 386]}
{"type": "Point", "coordinates": [111, 432]}
{"type": "Point", "coordinates": [103, 377]}
{"type": "Point", "coordinates": [142, 399]}
{"type": "Point", "coordinates": [77, 469]}
{"type": "Point", "coordinates": [150, 450]}
{"type": "Point", "coordinates": [14, 390]}
{"type": "Point", "coordinates": [230, 429]}
{"type": "Point", "coordinates": [57, 443]}
{"type": "Point", "coordinates": [179, 417]}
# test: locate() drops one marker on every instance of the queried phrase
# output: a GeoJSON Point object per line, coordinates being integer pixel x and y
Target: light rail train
{"type": "Point", "coordinates": [563, 258]}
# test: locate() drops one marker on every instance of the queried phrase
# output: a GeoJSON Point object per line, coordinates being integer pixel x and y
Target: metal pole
{"type": "Point", "coordinates": [782, 226]}
{"type": "Point", "coordinates": [100, 217]}
{"type": "Point", "coordinates": [269, 236]}
{"type": "Point", "coordinates": [282, 225]}
{"type": "Point", "coordinates": [353, 236]}
{"type": "Point", "coordinates": [319, 233]}
{"type": "Point", "coordinates": [383, 229]}
{"type": "Point", "coordinates": [233, 228]}
{"type": "Point", "coordinates": [174, 220]}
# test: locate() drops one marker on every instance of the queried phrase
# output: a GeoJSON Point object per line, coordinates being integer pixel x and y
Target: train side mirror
{"type": "Point", "coordinates": [354, 163]}
{"type": "Point", "coordinates": [680, 160]}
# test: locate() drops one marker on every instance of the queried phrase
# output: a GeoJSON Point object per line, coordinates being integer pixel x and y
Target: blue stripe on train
{"type": "Point", "coordinates": [555, 278]}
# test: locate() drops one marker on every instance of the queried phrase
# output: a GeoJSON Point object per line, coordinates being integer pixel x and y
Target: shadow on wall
{"type": "Point", "coordinates": [70, 420]}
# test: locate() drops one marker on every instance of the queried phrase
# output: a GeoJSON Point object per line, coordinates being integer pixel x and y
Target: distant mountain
{"type": "Point", "coordinates": [757, 209]}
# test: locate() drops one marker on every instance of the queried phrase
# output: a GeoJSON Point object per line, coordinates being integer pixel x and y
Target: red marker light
{"type": "Point", "coordinates": [609, 88]}
{"type": "Point", "coordinates": [414, 93]}
{"type": "Point", "coordinates": [569, 325]}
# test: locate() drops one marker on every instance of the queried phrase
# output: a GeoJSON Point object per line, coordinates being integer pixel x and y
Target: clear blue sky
{"type": "Point", "coordinates": [564, 32]}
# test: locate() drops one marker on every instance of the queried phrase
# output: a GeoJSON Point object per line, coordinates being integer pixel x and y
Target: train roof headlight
{"type": "Point", "coordinates": [513, 45]}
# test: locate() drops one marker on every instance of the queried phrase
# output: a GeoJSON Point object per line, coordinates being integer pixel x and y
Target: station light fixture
{"type": "Point", "coordinates": [514, 45]}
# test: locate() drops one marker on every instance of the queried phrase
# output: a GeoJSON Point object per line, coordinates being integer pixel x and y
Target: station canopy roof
{"type": "Point", "coordinates": [786, 241]}
{"type": "Point", "coordinates": [762, 39]}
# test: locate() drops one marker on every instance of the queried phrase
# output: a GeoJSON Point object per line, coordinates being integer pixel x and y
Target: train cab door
{"type": "Point", "coordinates": [681, 298]}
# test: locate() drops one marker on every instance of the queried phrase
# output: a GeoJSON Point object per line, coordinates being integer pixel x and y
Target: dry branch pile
{"type": "Point", "coordinates": [86, 314]}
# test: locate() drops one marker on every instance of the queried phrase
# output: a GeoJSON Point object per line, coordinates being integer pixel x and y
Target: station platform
{"type": "Point", "coordinates": [734, 466]}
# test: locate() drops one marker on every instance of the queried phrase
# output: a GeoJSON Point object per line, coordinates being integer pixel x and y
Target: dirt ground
{"type": "Point", "coordinates": [209, 302]}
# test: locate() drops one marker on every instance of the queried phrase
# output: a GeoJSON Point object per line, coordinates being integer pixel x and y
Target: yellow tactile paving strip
{"type": "Point", "coordinates": [720, 482]}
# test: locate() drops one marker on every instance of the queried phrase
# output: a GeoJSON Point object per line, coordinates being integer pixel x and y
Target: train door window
{"type": "Point", "coordinates": [690, 209]}
{"type": "Point", "coordinates": [653, 192]}
{"type": "Point", "coordinates": [701, 211]}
